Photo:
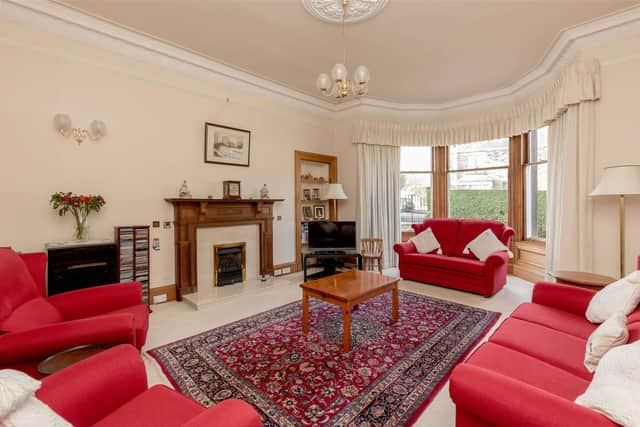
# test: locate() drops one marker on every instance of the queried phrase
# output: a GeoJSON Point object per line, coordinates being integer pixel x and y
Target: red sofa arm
{"type": "Point", "coordinates": [97, 300]}
{"type": "Point", "coordinates": [507, 235]}
{"type": "Point", "coordinates": [36, 263]}
{"type": "Point", "coordinates": [638, 265]}
{"type": "Point", "coordinates": [38, 343]}
{"type": "Point", "coordinates": [496, 260]}
{"type": "Point", "coordinates": [563, 297]}
{"type": "Point", "coordinates": [404, 248]}
{"type": "Point", "coordinates": [89, 390]}
{"type": "Point", "coordinates": [505, 402]}
{"type": "Point", "coordinates": [228, 413]}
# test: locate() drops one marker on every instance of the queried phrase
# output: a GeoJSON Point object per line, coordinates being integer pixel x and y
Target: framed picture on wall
{"type": "Point", "coordinates": [226, 145]}
{"type": "Point", "coordinates": [318, 211]}
{"type": "Point", "coordinates": [315, 194]}
{"type": "Point", "coordinates": [307, 212]}
{"type": "Point", "coordinates": [306, 194]}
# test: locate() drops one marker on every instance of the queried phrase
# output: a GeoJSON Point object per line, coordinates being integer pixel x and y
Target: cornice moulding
{"type": "Point", "coordinates": [88, 29]}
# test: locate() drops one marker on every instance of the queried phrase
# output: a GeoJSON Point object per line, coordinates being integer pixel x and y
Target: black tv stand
{"type": "Point", "coordinates": [329, 260]}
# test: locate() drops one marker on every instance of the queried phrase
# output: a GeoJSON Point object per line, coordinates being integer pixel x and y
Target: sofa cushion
{"type": "Point", "coordinates": [469, 229]}
{"type": "Point", "coordinates": [528, 369]}
{"type": "Point", "coordinates": [16, 283]}
{"type": "Point", "coordinates": [615, 389]}
{"type": "Point", "coordinates": [621, 296]}
{"type": "Point", "coordinates": [445, 230]}
{"type": "Point", "coordinates": [556, 348]}
{"type": "Point", "coordinates": [159, 407]}
{"type": "Point", "coordinates": [554, 318]}
{"type": "Point", "coordinates": [484, 245]}
{"type": "Point", "coordinates": [31, 314]}
{"type": "Point", "coordinates": [460, 265]}
{"type": "Point", "coordinates": [611, 333]}
{"type": "Point", "coordinates": [426, 242]}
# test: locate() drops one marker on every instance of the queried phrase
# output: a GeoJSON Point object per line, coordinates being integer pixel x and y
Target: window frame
{"type": "Point", "coordinates": [526, 163]}
{"type": "Point", "coordinates": [448, 171]}
{"type": "Point", "coordinates": [429, 172]}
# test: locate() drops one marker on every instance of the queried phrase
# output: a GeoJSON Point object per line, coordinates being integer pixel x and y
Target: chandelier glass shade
{"type": "Point", "coordinates": [339, 85]}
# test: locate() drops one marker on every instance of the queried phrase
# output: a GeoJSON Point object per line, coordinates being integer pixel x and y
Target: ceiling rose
{"type": "Point", "coordinates": [331, 10]}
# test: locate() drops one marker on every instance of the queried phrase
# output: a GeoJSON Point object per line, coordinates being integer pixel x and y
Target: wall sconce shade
{"type": "Point", "coordinates": [62, 123]}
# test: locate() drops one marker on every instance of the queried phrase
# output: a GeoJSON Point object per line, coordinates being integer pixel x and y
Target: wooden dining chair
{"type": "Point", "coordinates": [371, 251]}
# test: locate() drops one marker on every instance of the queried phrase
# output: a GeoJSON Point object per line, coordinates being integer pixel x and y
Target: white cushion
{"type": "Point", "coordinates": [485, 244]}
{"type": "Point", "coordinates": [426, 242]}
{"type": "Point", "coordinates": [18, 405]}
{"type": "Point", "coordinates": [611, 333]}
{"type": "Point", "coordinates": [15, 388]}
{"type": "Point", "coordinates": [615, 388]}
{"type": "Point", "coordinates": [622, 296]}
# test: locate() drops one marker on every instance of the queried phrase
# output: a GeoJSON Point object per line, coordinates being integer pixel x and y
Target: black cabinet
{"type": "Point", "coordinates": [82, 266]}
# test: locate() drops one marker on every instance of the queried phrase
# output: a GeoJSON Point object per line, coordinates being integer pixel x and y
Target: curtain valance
{"type": "Point", "coordinates": [580, 82]}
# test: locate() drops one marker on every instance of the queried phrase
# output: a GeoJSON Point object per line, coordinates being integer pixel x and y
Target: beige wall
{"type": "Point", "coordinates": [155, 121]}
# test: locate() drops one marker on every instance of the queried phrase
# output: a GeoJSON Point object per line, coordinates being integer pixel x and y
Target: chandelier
{"type": "Point", "coordinates": [339, 85]}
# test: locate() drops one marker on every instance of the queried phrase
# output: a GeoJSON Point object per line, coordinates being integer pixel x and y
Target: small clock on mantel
{"type": "Point", "coordinates": [231, 190]}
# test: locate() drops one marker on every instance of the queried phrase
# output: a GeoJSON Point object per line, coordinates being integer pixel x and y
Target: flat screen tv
{"type": "Point", "coordinates": [332, 235]}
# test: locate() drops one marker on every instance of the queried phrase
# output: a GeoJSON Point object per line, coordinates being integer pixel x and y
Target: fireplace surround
{"type": "Point", "coordinates": [191, 214]}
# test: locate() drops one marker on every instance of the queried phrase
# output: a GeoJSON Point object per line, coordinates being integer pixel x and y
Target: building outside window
{"type": "Point", "coordinates": [535, 183]}
{"type": "Point", "coordinates": [416, 178]}
{"type": "Point", "coordinates": [478, 180]}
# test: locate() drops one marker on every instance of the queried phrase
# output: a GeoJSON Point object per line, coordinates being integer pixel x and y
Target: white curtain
{"type": "Point", "coordinates": [379, 194]}
{"type": "Point", "coordinates": [571, 179]}
{"type": "Point", "coordinates": [579, 82]}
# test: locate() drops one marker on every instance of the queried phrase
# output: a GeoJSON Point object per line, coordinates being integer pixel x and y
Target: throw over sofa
{"type": "Point", "coordinates": [34, 327]}
{"type": "Point", "coordinates": [453, 268]}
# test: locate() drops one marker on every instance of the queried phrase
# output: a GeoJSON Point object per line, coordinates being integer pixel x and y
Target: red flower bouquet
{"type": "Point", "coordinates": [80, 206]}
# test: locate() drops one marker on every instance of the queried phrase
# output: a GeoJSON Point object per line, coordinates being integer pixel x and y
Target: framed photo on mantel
{"type": "Point", "coordinates": [226, 145]}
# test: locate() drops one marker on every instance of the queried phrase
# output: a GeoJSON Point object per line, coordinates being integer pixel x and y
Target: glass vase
{"type": "Point", "coordinates": [81, 232]}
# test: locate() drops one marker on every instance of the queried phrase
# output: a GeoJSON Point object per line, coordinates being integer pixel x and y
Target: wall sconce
{"type": "Point", "coordinates": [62, 123]}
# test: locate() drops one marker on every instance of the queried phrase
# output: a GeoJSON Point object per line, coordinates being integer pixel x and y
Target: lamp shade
{"type": "Point", "coordinates": [618, 181]}
{"type": "Point", "coordinates": [335, 192]}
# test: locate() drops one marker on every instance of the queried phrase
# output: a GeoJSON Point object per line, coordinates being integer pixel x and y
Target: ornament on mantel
{"type": "Point", "coordinates": [184, 192]}
{"type": "Point", "coordinates": [264, 192]}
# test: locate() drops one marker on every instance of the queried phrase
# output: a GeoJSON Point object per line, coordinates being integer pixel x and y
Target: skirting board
{"type": "Point", "coordinates": [292, 266]}
{"type": "Point", "coordinates": [168, 290]}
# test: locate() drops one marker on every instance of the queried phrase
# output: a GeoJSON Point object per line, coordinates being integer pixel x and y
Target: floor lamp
{"type": "Point", "coordinates": [619, 181]}
{"type": "Point", "coordinates": [334, 193]}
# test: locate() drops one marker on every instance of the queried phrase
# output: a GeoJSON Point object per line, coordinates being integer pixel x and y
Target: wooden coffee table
{"type": "Point", "coordinates": [346, 290]}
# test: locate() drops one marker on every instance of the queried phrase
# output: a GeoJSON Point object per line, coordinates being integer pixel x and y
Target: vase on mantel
{"type": "Point", "coordinates": [81, 232]}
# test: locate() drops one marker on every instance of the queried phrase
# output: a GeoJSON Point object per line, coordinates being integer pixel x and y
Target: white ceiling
{"type": "Point", "coordinates": [418, 51]}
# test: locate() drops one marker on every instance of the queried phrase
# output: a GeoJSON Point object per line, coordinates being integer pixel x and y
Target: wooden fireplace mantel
{"type": "Point", "coordinates": [191, 214]}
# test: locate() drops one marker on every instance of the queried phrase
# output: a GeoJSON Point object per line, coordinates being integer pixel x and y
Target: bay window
{"type": "Point", "coordinates": [535, 155]}
{"type": "Point", "coordinates": [416, 179]}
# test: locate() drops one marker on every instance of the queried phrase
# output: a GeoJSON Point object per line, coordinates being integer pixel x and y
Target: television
{"type": "Point", "coordinates": [332, 235]}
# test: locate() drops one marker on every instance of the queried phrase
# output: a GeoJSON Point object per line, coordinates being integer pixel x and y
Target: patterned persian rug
{"type": "Point", "coordinates": [388, 378]}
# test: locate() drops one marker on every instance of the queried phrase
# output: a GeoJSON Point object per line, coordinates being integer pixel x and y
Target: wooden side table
{"type": "Point", "coordinates": [582, 279]}
{"type": "Point", "coordinates": [61, 360]}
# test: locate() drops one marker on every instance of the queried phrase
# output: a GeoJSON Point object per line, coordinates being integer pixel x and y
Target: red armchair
{"type": "Point", "coordinates": [453, 268]}
{"type": "Point", "coordinates": [113, 384]}
{"type": "Point", "coordinates": [33, 327]}
{"type": "Point", "coordinates": [531, 369]}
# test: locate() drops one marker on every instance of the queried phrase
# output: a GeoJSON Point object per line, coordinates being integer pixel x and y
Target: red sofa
{"type": "Point", "coordinates": [110, 389]}
{"type": "Point", "coordinates": [452, 268]}
{"type": "Point", "coordinates": [33, 327]}
{"type": "Point", "coordinates": [531, 370]}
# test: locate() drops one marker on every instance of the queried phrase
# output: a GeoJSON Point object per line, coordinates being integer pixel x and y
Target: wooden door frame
{"type": "Point", "coordinates": [301, 156]}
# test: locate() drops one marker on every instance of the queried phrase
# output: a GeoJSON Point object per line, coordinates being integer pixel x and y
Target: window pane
{"type": "Point", "coordinates": [536, 201]}
{"type": "Point", "coordinates": [415, 198]}
{"type": "Point", "coordinates": [478, 194]}
{"type": "Point", "coordinates": [482, 154]}
{"type": "Point", "coordinates": [415, 159]}
{"type": "Point", "coordinates": [539, 145]}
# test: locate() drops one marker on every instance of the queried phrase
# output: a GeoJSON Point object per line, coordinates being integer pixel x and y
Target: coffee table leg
{"type": "Point", "coordinates": [394, 299]}
{"type": "Point", "coordinates": [347, 329]}
{"type": "Point", "coordinates": [305, 312]}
